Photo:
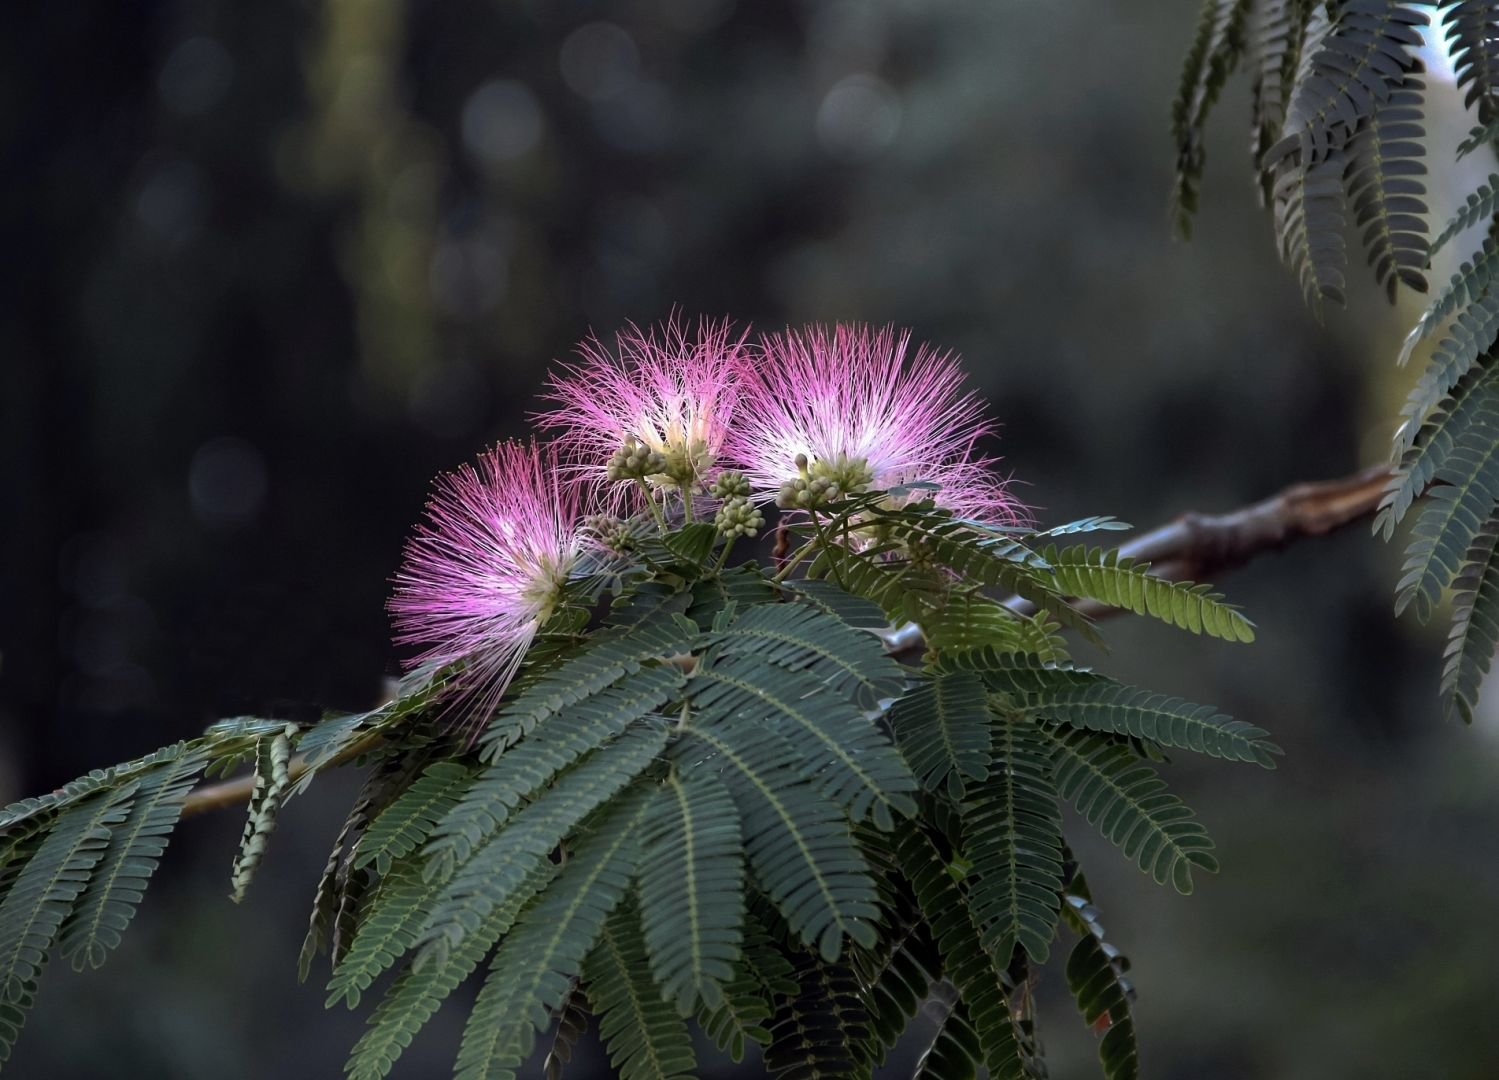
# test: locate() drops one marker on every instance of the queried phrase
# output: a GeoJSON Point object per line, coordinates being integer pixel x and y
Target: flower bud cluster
{"type": "Point", "coordinates": [731, 483]}
{"type": "Point", "coordinates": [739, 517]}
{"type": "Point", "coordinates": [636, 461]}
{"type": "Point", "coordinates": [610, 531]}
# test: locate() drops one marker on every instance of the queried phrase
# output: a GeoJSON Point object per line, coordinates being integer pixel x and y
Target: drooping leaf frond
{"type": "Point", "coordinates": [44, 895]}
{"type": "Point", "coordinates": [1012, 834]}
{"type": "Point", "coordinates": [602, 663]}
{"type": "Point", "coordinates": [942, 727]}
{"type": "Point", "coordinates": [954, 1052]}
{"type": "Point", "coordinates": [1432, 445]}
{"type": "Point", "coordinates": [488, 878]}
{"type": "Point", "coordinates": [531, 764]}
{"type": "Point", "coordinates": [822, 1030]}
{"type": "Point", "coordinates": [1473, 42]}
{"type": "Point", "coordinates": [645, 1038]}
{"type": "Point", "coordinates": [1480, 207]}
{"type": "Point", "coordinates": [1096, 975]}
{"type": "Point", "coordinates": [388, 929]}
{"type": "Point", "coordinates": [1467, 286]}
{"type": "Point", "coordinates": [1277, 31]}
{"type": "Point", "coordinates": [1386, 191]}
{"type": "Point", "coordinates": [572, 1023]}
{"type": "Point", "coordinates": [272, 777]}
{"type": "Point", "coordinates": [1464, 498]}
{"type": "Point", "coordinates": [692, 890]}
{"type": "Point", "coordinates": [845, 754]}
{"type": "Point", "coordinates": [532, 971]}
{"type": "Point", "coordinates": [1220, 42]}
{"type": "Point", "coordinates": [1093, 702]}
{"type": "Point", "coordinates": [1474, 637]}
{"type": "Point", "coordinates": [1130, 805]}
{"type": "Point", "coordinates": [118, 883]}
{"type": "Point", "coordinates": [982, 985]}
{"type": "Point", "coordinates": [417, 992]}
{"type": "Point", "coordinates": [801, 638]}
{"type": "Point", "coordinates": [405, 824]}
{"type": "Point", "coordinates": [798, 843]}
{"type": "Point", "coordinates": [1120, 582]}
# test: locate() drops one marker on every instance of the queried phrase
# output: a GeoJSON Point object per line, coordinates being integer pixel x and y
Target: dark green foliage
{"type": "Point", "coordinates": [942, 727]}
{"type": "Point", "coordinates": [1216, 51]}
{"type": "Point", "coordinates": [44, 895]}
{"type": "Point", "coordinates": [406, 823]}
{"type": "Point", "coordinates": [1386, 192]}
{"type": "Point", "coordinates": [1475, 624]}
{"type": "Point", "coordinates": [798, 842]}
{"type": "Point", "coordinates": [692, 890]}
{"type": "Point", "coordinates": [1474, 45]}
{"type": "Point", "coordinates": [1130, 805]}
{"type": "Point", "coordinates": [954, 1052]}
{"type": "Point", "coordinates": [1084, 699]}
{"type": "Point", "coordinates": [646, 1040]}
{"type": "Point", "coordinates": [823, 1030]}
{"type": "Point", "coordinates": [118, 884]}
{"type": "Point", "coordinates": [1012, 834]}
{"type": "Point", "coordinates": [532, 971]}
{"type": "Point", "coordinates": [1104, 576]}
{"type": "Point", "coordinates": [726, 803]}
{"type": "Point", "coordinates": [572, 1023]}
{"type": "Point", "coordinates": [1480, 207]}
{"type": "Point", "coordinates": [1095, 975]}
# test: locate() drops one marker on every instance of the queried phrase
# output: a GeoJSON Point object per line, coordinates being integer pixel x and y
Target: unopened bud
{"type": "Point", "coordinates": [730, 484]}
{"type": "Point", "coordinates": [635, 461]}
{"type": "Point", "coordinates": [739, 517]}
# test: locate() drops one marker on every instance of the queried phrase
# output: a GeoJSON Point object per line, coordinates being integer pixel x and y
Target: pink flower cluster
{"type": "Point", "coordinates": [651, 423]}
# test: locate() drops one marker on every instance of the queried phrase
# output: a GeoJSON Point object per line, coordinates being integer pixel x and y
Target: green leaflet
{"type": "Point", "coordinates": [1474, 636]}
{"type": "Point", "coordinates": [1130, 805]}
{"type": "Point", "coordinates": [487, 879]}
{"type": "Point", "coordinates": [823, 1029]}
{"type": "Point", "coordinates": [525, 768]}
{"type": "Point", "coordinates": [692, 890]}
{"type": "Point", "coordinates": [1012, 834]}
{"type": "Point", "coordinates": [1120, 582]}
{"type": "Point", "coordinates": [799, 844]}
{"type": "Point", "coordinates": [44, 895]}
{"type": "Point", "coordinates": [604, 661]}
{"type": "Point", "coordinates": [118, 884]}
{"type": "Point", "coordinates": [416, 994]}
{"type": "Point", "coordinates": [645, 1038]}
{"type": "Point", "coordinates": [532, 971]}
{"type": "Point", "coordinates": [980, 981]}
{"type": "Point", "coordinates": [405, 824]}
{"type": "Point", "coordinates": [1083, 699]}
{"type": "Point", "coordinates": [954, 1052]}
{"type": "Point", "coordinates": [942, 728]}
{"type": "Point", "coordinates": [842, 750]}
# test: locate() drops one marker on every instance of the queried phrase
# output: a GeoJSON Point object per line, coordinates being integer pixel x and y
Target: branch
{"type": "Point", "coordinates": [1197, 547]}
{"type": "Point", "coordinates": [1193, 547]}
{"type": "Point", "coordinates": [233, 792]}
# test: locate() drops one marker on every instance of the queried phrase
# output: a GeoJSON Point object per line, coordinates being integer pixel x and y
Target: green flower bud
{"type": "Point", "coordinates": [611, 532]}
{"type": "Point", "coordinates": [739, 517]}
{"type": "Point", "coordinates": [635, 461]}
{"type": "Point", "coordinates": [730, 483]}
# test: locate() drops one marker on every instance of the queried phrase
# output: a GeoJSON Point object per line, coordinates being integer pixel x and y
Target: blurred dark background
{"type": "Point", "coordinates": [268, 268]}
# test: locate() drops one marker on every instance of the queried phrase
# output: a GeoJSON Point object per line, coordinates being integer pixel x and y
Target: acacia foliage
{"type": "Point", "coordinates": [711, 798]}
{"type": "Point", "coordinates": [1339, 142]}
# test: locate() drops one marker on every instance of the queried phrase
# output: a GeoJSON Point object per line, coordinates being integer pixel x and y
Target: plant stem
{"type": "Point", "coordinates": [650, 500]}
{"type": "Point", "coordinates": [687, 502]}
{"type": "Point", "coordinates": [794, 560]}
{"type": "Point", "coordinates": [822, 538]}
{"type": "Point", "coordinates": [723, 556]}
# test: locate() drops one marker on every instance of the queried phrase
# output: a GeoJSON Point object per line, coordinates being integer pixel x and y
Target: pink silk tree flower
{"type": "Point", "coordinates": [835, 411]}
{"type": "Point", "coordinates": [655, 410]}
{"type": "Point", "coordinates": [485, 571]}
